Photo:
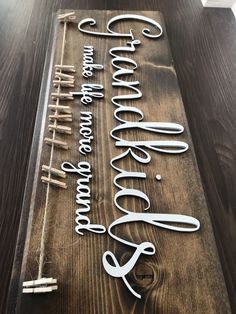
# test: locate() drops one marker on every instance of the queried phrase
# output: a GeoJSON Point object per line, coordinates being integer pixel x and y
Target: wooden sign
{"type": "Point", "coordinates": [114, 217]}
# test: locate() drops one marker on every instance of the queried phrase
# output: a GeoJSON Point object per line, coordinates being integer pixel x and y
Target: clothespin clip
{"type": "Point", "coordinates": [64, 76]}
{"type": "Point", "coordinates": [54, 182]}
{"type": "Point", "coordinates": [41, 285]}
{"type": "Point", "coordinates": [54, 171]}
{"type": "Point", "coordinates": [65, 83]}
{"type": "Point", "coordinates": [67, 17]}
{"type": "Point", "coordinates": [62, 96]}
{"type": "Point", "coordinates": [57, 143]}
{"type": "Point", "coordinates": [60, 117]}
{"type": "Point", "coordinates": [60, 129]}
{"type": "Point", "coordinates": [60, 108]}
{"type": "Point", "coordinates": [65, 68]}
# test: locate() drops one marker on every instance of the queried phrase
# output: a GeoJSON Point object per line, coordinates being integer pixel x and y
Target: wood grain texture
{"type": "Point", "coordinates": [75, 261]}
{"type": "Point", "coordinates": [203, 48]}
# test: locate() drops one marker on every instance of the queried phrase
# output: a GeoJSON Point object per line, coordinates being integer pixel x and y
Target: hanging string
{"type": "Point", "coordinates": [43, 235]}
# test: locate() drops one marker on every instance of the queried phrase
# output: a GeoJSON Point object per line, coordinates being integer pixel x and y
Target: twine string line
{"type": "Point", "coordinates": [43, 235]}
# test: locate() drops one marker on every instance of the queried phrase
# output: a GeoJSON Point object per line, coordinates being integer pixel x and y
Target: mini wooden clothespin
{"type": "Point", "coordinates": [62, 96]}
{"type": "Point", "coordinates": [64, 76]}
{"type": "Point", "coordinates": [60, 108]}
{"type": "Point", "coordinates": [54, 171]}
{"type": "Point", "coordinates": [65, 68]}
{"type": "Point", "coordinates": [67, 17]}
{"type": "Point", "coordinates": [57, 83]}
{"type": "Point", "coordinates": [60, 117]}
{"type": "Point", "coordinates": [41, 285]}
{"type": "Point", "coordinates": [60, 129]}
{"type": "Point", "coordinates": [54, 182]}
{"type": "Point", "coordinates": [57, 143]}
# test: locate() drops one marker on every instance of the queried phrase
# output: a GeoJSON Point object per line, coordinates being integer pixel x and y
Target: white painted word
{"type": "Point", "coordinates": [85, 131]}
{"type": "Point", "coordinates": [87, 93]}
{"type": "Point", "coordinates": [88, 64]}
{"type": "Point", "coordinates": [83, 196]}
{"type": "Point", "coordinates": [138, 150]}
{"type": "Point", "coordinates": [110, 33]}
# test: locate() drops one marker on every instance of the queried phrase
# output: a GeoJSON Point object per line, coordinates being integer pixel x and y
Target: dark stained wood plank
{"type": "Point", "coordinates": [76, 261]}
{"type": "Point", "coordinates": [202, 52]}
